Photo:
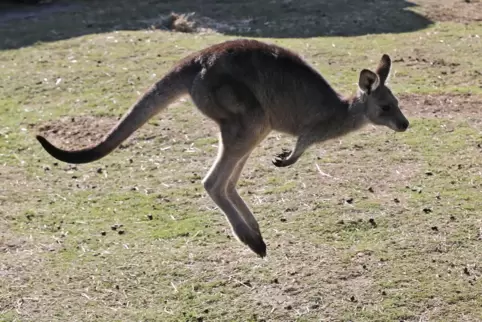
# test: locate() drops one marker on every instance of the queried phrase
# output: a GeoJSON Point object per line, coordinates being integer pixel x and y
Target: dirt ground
{"type": "Point", "coordinates": [375, 226]}
{"type": "Point", "coordinates": [452, 10]}
{"type": "Point", "coordinates": [79, 132]}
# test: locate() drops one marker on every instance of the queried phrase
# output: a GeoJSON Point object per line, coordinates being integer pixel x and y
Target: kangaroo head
{"type": "Point", "coordinates": [381, 106]}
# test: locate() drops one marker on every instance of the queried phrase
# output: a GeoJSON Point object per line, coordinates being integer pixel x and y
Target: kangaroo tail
{"type": "Point", "coordinates": [157, 98]}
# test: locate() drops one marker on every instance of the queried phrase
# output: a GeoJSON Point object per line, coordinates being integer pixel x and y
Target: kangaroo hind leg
{"type": "Point", "coordinates": [235, 108]}
{"type": "Point", "coordinates": [233, 194]}
{"type": "Point", "coordinates": [237, 139]}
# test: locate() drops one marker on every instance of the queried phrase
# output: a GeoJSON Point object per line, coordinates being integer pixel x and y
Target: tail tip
{"type": "Point", "coordinates": [43, 141]}
{"type": "Point", "coordinates": [40, 138]}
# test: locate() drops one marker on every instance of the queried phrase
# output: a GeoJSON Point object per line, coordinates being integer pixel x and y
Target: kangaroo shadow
{"type": "Point", "coordinates": [25, 25]}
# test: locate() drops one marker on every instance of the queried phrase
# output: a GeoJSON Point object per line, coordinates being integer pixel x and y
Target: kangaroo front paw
{"type": "Point", "coordinates": [281, 159]}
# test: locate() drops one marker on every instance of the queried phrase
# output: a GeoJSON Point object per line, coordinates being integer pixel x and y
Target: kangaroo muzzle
{"type": "Point", "coordinates": [399, 126]}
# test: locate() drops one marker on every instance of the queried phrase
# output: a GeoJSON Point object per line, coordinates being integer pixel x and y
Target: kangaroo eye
{"type": "Point", "coordinates": [385, 108]}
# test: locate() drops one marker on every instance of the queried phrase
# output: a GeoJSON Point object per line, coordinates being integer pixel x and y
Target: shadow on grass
{"type": "Point", "coordinates": [25, 25]}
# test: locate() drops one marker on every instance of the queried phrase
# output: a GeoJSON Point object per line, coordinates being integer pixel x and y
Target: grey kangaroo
{"type": "Point", "coordinates": [249, 88]}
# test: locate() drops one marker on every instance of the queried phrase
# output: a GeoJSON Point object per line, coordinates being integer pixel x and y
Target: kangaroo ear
{"type": "Point", "coordinates": [383, 69]}
{"type": "Point", "coordinates": [368, 81]}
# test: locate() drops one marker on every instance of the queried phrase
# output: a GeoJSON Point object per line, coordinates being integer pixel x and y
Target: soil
{"type": "Point", "coordinates": [81, 131]}
{"type": "Point", "coordinates": [449, 106]}
{"type": "Point", "coordinates": [451, 10]}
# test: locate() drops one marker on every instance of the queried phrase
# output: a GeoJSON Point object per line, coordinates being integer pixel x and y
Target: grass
{"type": "Point", "coordinates": [393, 232]}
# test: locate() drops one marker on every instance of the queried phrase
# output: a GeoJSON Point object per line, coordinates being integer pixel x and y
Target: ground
{"type": "Point", "coordinates": [376, 226]}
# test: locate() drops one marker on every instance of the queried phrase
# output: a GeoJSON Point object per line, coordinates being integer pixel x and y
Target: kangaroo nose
{"type": "Point", "coordinates": [404, 125]}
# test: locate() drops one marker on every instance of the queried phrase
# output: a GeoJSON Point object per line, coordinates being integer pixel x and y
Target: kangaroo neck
{"type": "Point", "coordinates": [355, 117]}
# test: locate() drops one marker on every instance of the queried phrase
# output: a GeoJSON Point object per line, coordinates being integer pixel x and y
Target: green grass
{"type": "Point", "coordinates": [406, 249]}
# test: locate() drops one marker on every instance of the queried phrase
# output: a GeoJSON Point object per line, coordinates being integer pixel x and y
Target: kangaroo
{"type": "Point", "coordinates": [249, 88]}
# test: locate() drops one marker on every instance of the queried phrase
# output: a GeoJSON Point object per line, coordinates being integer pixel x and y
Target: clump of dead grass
{"type": "Point", "coordinates": [180, 22]}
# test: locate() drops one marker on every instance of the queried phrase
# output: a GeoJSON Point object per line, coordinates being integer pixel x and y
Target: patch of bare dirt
{"type": "Point", "coordinates": [448, 106]}
{"type": "Point", "coordinates": [82, 131]}
{"type": "Point", "coordinates": [451, 10]}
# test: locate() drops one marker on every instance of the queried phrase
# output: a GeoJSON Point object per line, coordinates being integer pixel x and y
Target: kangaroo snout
{"type": "Point", "coordinates": [398, 125]}
{"type": "Point", "coordinates": [402, 126]}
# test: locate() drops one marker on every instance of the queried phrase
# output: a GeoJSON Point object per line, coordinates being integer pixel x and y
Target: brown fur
{"type": "Point", "coordinates": [250, 88]}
